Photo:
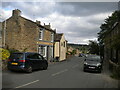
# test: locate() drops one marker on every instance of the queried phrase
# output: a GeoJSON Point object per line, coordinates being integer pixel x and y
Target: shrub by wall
{"type": "Point", "coordinates": [4, 54]}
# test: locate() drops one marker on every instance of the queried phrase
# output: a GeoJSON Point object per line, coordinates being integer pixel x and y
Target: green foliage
{"type": "Point", "coordinates": [94, 47]}
{"type": "Point", "coordinates": [73, 52]}
{"type": "Point", "coordinates": [13, 50]}
{"type": "Point", "coordinates": [107, 25]}
{"type": "Point", "coordinates": [68, 53]}
{"type": "Point", "coordinates": [25, 50]}
{"type": "Point", "coordinates": [4, 54]}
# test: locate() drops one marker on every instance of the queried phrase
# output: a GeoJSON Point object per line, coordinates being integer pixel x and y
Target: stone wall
{"type": "Point", "coordinates": [21, 34]}
{"type": "Point", "coordinates": [47, 36]}
{"type": "Point", "coordinates": [30, 35]}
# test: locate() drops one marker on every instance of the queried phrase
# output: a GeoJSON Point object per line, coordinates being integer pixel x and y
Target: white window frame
{"type": "Point", "coordinates": [52, 37]}
{"type": "Point", "coordinates": [45, 49]}
{"type": "Point", "coordinates": [41, 32]}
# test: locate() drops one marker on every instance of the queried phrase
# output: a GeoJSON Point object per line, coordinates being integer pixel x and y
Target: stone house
{"type": "Point", "coordinates": [112, 54]}
{"type": "Point", "coordinates": [70, 49]}
{"type": "Point", "coordinates": [26, 35]}
{"type": "Point", "coordinates": [60, 48]}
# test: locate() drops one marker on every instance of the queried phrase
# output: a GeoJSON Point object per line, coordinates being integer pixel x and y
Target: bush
{"type": "Point", "coordinates": [13, 50]}
{"type": "Point", "coordinates": [4, 54]}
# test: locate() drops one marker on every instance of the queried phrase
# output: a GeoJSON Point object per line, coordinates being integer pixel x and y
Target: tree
{"type": "Point", "coordinates": [107, 26]}
{"type": "Point", "coordinates": [94, 47]}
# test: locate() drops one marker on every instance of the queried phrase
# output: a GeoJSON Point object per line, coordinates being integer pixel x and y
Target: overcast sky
{"type": "Point", "coordinates": [79, 21]}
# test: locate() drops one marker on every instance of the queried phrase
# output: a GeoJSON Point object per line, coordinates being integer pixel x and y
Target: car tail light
{"type": "Point", "coordinates": [9, 60]}
{"type": "Point", "coordinates": [21, 60]}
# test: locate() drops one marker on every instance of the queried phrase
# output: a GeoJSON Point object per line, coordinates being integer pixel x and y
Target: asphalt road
{"type": "Point", "coordinates": [66, 74]}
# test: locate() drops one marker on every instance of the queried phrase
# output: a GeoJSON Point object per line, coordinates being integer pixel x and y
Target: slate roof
{"type": "Point", "coordinates": [58, 36]}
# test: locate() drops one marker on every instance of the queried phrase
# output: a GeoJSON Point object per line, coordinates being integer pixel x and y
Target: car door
{"type": "Point", "coordinates": [41, 61]}
{"type": "Point", "coordinates": [32, 60]}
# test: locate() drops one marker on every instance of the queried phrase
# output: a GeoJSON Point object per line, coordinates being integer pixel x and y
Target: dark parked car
{"type": "Point", "coordinates": [93, 63]}
{"type": "Point", "coordinates": [82, 55]}
{"type": "Point", "coordinates": [26, 61]}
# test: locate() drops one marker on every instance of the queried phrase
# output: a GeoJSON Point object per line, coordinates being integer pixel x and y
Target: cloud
{"type": "Point", "coordinates": [78, 21]}
{"type": "Point", "coordinates": [85, 8]}
{"type": "Point", "coordinates": [4, 14]}
{"type": "Point", "coordinates": [34, 9]}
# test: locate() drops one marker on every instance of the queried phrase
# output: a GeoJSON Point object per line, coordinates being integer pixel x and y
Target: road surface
{"type": "Point", "coordinates": [66, 74]}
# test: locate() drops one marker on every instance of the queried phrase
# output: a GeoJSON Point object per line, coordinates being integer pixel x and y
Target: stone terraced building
{"type": "Point", "coordinates": [26, 35]}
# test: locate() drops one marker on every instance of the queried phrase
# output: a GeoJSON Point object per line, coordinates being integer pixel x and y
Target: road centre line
{"type": "Point", "coordinates": [59, 72]}
{"type": "Point", "coordinates": [27, 84]}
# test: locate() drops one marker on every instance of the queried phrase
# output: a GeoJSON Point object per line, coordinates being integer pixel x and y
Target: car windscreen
{"type": "Point", "coordinates": [94, 58]}
{"type": "Point", "coordinates": [16, 56]}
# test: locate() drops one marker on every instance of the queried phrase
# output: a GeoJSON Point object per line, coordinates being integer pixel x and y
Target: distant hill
{"type": "Point", "coordinates": [77, 45]}
{"type": "Point", "coordinates": [81, 47]}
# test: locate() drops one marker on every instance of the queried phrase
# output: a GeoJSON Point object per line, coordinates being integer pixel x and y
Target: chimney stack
{"type": "Point", "coordinates": [16, 13]}
{"type": "Point", "coordinates": [38, 22]}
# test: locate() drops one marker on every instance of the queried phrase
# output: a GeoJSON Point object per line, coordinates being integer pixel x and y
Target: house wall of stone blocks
{"type": "Point", "coordinates": [23, 34]}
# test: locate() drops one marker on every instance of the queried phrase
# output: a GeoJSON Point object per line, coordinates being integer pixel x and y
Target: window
{"type": "Point", "coordinates": [42, 50]}
{"type": "Point", "coordinates": [64, 44]}
{"type": "Point", "coordinates": [16, 56]}
{"type": "Point", "coordinates": [41, 34]}
{"type": "Point", "coordinates": [52, 37]}
{"type": "Point", "coordinates": [40, 57]}
{"type": "Point", "coordinates": [34, 56]}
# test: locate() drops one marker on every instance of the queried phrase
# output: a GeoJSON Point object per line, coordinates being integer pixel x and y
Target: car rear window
{"type": "Point", "coordinates": [94, 58]}
{"type": "Point", "coordinates": [16, 56]}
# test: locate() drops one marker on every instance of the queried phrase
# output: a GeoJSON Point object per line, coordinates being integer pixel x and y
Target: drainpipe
{"type": "Point", "coordinates": [4, 33]}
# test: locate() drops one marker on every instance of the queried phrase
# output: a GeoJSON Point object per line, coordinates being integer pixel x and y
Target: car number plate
{"type": "Point", "coordinates": [92, 67]}
{"type": "Point", "coordinates": [14, 63]}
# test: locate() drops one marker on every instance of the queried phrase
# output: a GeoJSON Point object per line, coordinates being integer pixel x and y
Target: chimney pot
{"type": "Point", "coordinates": [16, 12]}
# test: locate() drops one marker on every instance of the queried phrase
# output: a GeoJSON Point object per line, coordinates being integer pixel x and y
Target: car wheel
{"type": "Point", "coordinates": [29, 69]}
{"type": "Point", "coordinates": [46, 66]}
{"type": "Point", "coordinates": [84, 70]}
{"type": "Point", "coordinates": [99, 71]}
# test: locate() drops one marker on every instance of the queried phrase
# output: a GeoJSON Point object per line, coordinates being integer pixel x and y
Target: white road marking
{"type": "Point", "coordinates": [27, 84]}
{"type": "Point", "coordinates": [59, 72]}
